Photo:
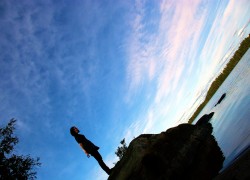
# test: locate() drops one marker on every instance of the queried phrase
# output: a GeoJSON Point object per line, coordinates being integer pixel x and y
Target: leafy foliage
{"type": "Point", "coordinates": [14, 166]}
{"type": "Point", "coordinates": [121, 150]}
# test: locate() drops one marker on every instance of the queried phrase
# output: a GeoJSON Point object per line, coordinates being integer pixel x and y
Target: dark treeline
{"type": "Point", "coordinates": [244, 46]}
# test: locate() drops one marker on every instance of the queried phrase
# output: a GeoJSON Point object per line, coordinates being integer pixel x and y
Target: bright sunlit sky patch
{"type": "Point", "coordinates": [114, 69]}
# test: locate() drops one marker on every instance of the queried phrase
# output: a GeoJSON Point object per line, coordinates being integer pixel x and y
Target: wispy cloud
{"type": "Point", "coordinates": [48, 69]}
{"type": "Point", "coordinates": [183, 37]}
{"type": "Point", "coordinates": [166, 50]}
{"type": "Point", "coordinates": [164, 55]}
{"type": "Point", "coordinates": [37, 59]}
{"type": "Point", "coordinates": [135, 66]}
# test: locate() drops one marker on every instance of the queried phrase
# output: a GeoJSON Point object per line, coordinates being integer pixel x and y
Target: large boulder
{"type": "Point", "coordinates": [183, 152]}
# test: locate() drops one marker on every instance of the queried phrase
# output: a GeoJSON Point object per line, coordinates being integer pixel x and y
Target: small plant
{"type": "Point", "coordinates": [121, 150]}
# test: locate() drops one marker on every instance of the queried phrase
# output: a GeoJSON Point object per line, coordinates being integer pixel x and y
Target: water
{"type": "Point", "coordinates": [231, 120]}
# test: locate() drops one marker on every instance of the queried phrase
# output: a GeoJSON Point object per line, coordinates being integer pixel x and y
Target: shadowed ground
{"type": "Point", "coordinates": [238, 170]}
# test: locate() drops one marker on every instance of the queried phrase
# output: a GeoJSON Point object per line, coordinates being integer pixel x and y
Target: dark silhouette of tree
{"type": "Point", "coordinates": [121, 149]}
{"type": "Point", "coordinates": [14, 166]}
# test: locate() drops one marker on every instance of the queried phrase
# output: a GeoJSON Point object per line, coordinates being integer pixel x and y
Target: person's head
{"type": "Point", "coordinates": [74, 131]}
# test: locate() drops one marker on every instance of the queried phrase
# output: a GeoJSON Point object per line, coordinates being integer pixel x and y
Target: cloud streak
{"type": "Point", "coordinates": [164, 55]}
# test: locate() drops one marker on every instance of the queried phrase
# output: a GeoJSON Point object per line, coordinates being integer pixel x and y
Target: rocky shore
{"type": "Point", "coordinates": [183, 152]}
{"type": "Point", "coordinates": [238, 170]}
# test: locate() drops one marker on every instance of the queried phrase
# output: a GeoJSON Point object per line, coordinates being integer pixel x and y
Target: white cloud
{"type": "Point", "coordinates": [135, 65]}
{"type": "Point", "coordinates": [135, 129]}
{"type": "Point", "coordinates": [152, 69]}
{"type": "Point", "coordinates": [166, 52]}
{"type": "Point", "coordinates": [180, 43]}
{"type": "Point", "coordinates": [149, 122]}
{"type": "Point", "coordinates": [164, 58]}
{"type": "Point", "coordinates": [179, 22]}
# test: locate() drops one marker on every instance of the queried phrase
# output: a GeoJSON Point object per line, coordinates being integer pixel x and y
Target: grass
{"type": "Point", "coordinates": [244, 46]}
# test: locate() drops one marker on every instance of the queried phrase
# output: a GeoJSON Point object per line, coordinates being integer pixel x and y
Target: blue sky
{"type": "Point", "coordinates": [114, 69]}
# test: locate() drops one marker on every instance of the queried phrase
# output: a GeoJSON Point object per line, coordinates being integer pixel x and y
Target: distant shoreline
{"type": "Point", "coordinates": [244, 46]}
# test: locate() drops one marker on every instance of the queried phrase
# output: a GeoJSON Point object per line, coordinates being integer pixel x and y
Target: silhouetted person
{"type": "Point", "coordinates": [89, 148]}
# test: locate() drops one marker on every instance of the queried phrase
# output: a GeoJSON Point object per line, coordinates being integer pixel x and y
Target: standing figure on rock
{"type": "Point", "coordinates": [89, 148]}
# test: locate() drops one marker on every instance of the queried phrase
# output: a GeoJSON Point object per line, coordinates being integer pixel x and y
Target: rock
{"type": "Point", "coordinates": [205, 119]}
{"type": "Point", "coordinates": [221, 98]}
{"type": "Point", "coordinates": [239, 169]}
{"type": "Point", "coordinates": [183, 152]}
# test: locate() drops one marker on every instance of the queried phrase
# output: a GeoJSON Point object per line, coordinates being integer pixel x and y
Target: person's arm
{"type": "Point", "coordinates": [84, 150]}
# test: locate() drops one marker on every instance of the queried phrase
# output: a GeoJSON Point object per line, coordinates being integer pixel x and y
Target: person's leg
{"type": "Point", "coordinates": [98, 157]}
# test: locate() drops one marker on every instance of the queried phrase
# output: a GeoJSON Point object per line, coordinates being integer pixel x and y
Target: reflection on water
{"type": "Point", "coordinates": [231, 120]}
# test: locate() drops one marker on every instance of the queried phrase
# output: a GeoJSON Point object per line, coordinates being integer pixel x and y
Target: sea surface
{"type": "Point", "coordinates": [231, 121]}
